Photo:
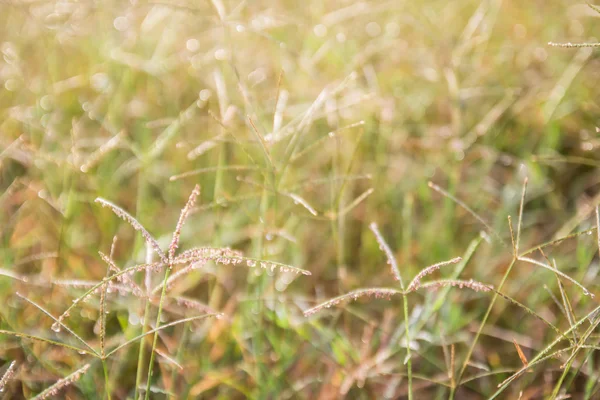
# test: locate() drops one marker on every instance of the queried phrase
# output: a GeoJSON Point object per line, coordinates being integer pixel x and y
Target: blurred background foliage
{"type": "Point", "coordinates": [302, 122]}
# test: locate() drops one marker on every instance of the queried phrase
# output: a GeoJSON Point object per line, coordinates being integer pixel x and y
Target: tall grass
{"type": "Point", "coordinates": [302, 123]}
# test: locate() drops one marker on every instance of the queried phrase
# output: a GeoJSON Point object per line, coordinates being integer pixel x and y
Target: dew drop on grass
{"type": "Point", "coordinates": [55, 327]}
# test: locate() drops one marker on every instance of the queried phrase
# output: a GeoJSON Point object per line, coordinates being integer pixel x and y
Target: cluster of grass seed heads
{"type": "Point", "coordinates": [416, 282]}
{"type": "Point", "coordinates": [413, 286]}
{"type": "Point", "coordinates": [8, 375]}
{"type": "Point", "coordinates": [62, 383]}
{"type": "Point", "coordinates": [379, 293]}
{"type": "Point", "coordinates": [136, 225]}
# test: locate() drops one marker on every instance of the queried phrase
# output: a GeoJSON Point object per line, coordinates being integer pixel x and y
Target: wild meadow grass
{"type": "Point", "coordinates": [298, 200]}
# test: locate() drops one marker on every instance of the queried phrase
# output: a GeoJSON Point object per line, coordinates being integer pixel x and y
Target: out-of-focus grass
{"type": "Point", "coordinates": [345, 110]}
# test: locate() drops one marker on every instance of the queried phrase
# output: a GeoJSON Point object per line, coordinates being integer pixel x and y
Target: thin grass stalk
{"type": "Point", "coordinates": [160, 328]}
{"type": "Point", "coordinates": [557, 241]}
{"type": "Point", "coordinates": [520, 220]}
{"type": "Point", "coordinates": [598, 227]}
{"type": "Point", "coordinates": [103, 334]}
{"type": "Point", "coordinates": [567, 365]}
{"type": "Point", "coordinates": [49, 341]}
{"type": "Point", "coordinates": [215, 294]}
{"type": "Point", "coordinates": [557, 272]}
{"type": "Point", "coordinates": [408, 353]}
{"type": "Point", "coordinates": [142, 349]}
{"type": "Point", "coordinates": [396, 272]}
{"type": "Point", "coordinates": [75, 335]}
{"type": "Point", "coordinates": [145, 323]}
{"type": "Point", "coordinates": [135, 224]}
{"type": "Point", "coordinates": [391, 259]}
{"type": "Point", "coordinates": [106, 379]}
{"type": "Point", "coordinates": [480, 329]}
{"type": "Point", "coordinates": [141, 196]}
{"type": "Point", "coordinates": [467, 209]}
{"type": "Point", "coordinates": [439, 301]}
{"type": "Point", "coordinates": [155, 340]}
{"type": "Point", "coordinates": [499, 289]}
{"type": "Point", "coordinates": [257, 342]}
{"type": "Point", "coordinates": [171, 255]}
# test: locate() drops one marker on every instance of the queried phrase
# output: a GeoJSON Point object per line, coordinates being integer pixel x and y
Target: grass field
{"type": "Point", "coordinates": [240, 199]}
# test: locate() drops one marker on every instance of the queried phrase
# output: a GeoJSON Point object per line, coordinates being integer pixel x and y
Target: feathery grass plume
{"type": "Point", "coordinates": [416, 282]}
{"type": "Point", "coordinates": [255, 262]}
{"type": "Point", "coordinates": [193, 304]}
{"type": "Point", "coordinates": [75, 283]}
{"type": "Point", "coordinates": [135, 224]}
{"type": "Point", "coordinates": [8, 375]}
{"type": "Point", "coordinates": [198, 254]}
{"type": "Point", "coordinates": [383, 246]}
{"type": "Point", "coordinates": [471, 284]}
{"type": "Point", "coordinates": [573, 45]}
{"type": "Point", "coordinates": [62, 383]}
{"type": "Point", "coordinates": [353, 295]}
{"type": "Point", "coordinates": [182, 218]}
{"type": "Point", "coordinates": [172, 248]}
{"type": "Point", "coordinates": [125, 278]}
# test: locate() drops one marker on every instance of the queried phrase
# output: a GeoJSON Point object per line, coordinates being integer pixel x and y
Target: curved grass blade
{"type": "Point", "coordinates": [160, 328]}
{"type": "Point", "coordinates": [135, 224]}
{"type": "Point", "coordinates": [76, 336]}
{"type": "Point", "coordinates": [353, 295]}
{"type": "Point", "coordinates": [49, 341]}
{"type": "Point", "coordinates": [548, 267]}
